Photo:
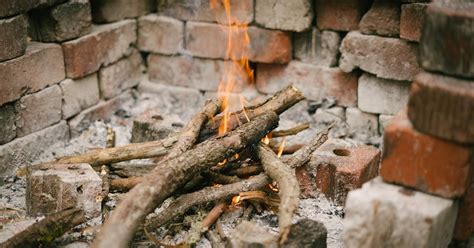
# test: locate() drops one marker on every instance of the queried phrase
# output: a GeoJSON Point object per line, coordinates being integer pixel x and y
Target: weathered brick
{"type": "Point", "coordinates": [7, 123]}
{"type": "Point", "coordinates": [383, 18]}
{"type": "Point", "coordinates": [362, 126]}
{"type": "Point", "coordinates": [464, 228]}
{"type": "Point", "coordinates": [448, 39]}
{"type": "Point", "coordinates": [10, 8]}
{"type": "Point", "coordinates": [105, 45]}
{"type": "Point", "coordinates": [388, 58]}
{"type": "Point", "coordinates": [13, 38]}
{"type": "Point", "coordinates": [296, 15]}
{"type": "Point", "coordinates": [383, 122]}
{"type": "Point", "coordinates": [412, 20]}
{"type": "Point", "coordinates": [41, 65]}
{"type": "Point", "coordinates": [242, 11]}
{"type": "Point", "coordinates": [341, 15]}
{"type": "Point", "coordinates": [23, 151]}
{"type": "Point", "coordinates": [104, 11]}
{"type": "Point", "coordinates": [210, 41]}
{"type": "Point", "coordinates": [160, 34]}
{"type": "Point", "coordinates": [317, 47]}
{"type": "Point", "coordinates": [63, 22]}
{"type": "Point", "coordinates": [385, 215]}
{"type": "Point", "coordinates": [121, 75]}
{"type": "Point", "coordinates": [38, 110]}
{"type": "Point", "coordinates": [450, 98]}
{"type": "Point", "coordinates": [151, 125]}
{"type": "Point", "coordinates": [316, 82]}
{"type": "Point", "coordinates": [424, 162]}
{"type": "Point", "coordinates": [330, 115]}
{"type": "Point", "coordinates": [57, 187]}
{"type": "Point", "coordinates": [9, 230]}
{"type": "Point", "coordinates": [382, 96]}
{"type": "Point", "coordinates": [251, 234]}
{"type": "Point", "coordinates": [79, 94]}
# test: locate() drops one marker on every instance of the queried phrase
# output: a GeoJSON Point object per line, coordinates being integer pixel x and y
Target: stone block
{"type": "Point", "coordinates": [250, 234]}
{"type": "Point", "coordinates": [388, 58]}
{"type": "Point", "coordinates": [79, 94]}
{"type": "Point", "coordinates": [340, 15]}
{"type": "Point", "coordinates": [307, 233]}
{"type": "Point", "coordinates": [124, 74]}
{"type": "Point", "coordinates": [317, 82]}
{"type": "Point", "coordinates": [362, 126]}
{"type": "Point", "coordinates": [453, 119]}
{"type": "Point", "coordinates": [25, 150]}
{"type": "Point", "coordinates": [160, 34]}
{"type": "Point", "coordinates": [381, 96]}
{"type": "Point", "coordinates": [411, 21]}
{"type": "Point", "coordinates": [296, 15]}
{"type": "Point", "coordinates": [53, 188]}
{"type": "Point", "coordinates": [385, 215]}
{"type": "Point", "coordinates": [38, 110]}
{"type": "Point", "coordinates": [11, 8]}
{"type": "Point", "coordinates": [383, 18]}
{"type": "Point", "coordinates": [448, 39]}
{"type": "Point", "coordinates": [317, 47]}
{"type": "Point", "coordinates": [7, 123]}
{"type": "Point", "coordinates": [105, 45]}
{"type": "Point", "coordinates": [105, 11]}
{"type": "Point", "coordinates": [42, 65]}
{"type": "Point", "coordinates": [151, 125]}
{"type": "Point", "coordinates": [13, 39]}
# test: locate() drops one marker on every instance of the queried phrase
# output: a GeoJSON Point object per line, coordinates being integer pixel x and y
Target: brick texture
{"type": "Point", "coordinates": [317, 47]}
{"type": "Point", "coordinates": [295, 15]}
{"type": "Point", "coordinates": [79, 94]}
{"type": "Point", "coordinates": [105, 45]}
{"type": "Point", "coordinates": [451, 99]}
{"type": "Point", "coordinates": [464, 228]}
{"type": "Point", "coordinates": [383, 19]}
{"type": "Point", "coordinates": [13, 38]}
{"type": "Point", "coordinates": [160, 34]}
{"type": "Point", "coordinates": [412, 20]}
{"type": "Point", "coordinates": [11, 8]}
{"type": "Point", "coordinates": [104, 11]}
{"type": "Point", "coordinates": [7, 123]}
{"type": "Point", "coordinates": [341, 15]}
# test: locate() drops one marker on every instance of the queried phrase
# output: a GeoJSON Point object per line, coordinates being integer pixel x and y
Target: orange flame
{"type": "Point", "coordinates": [280, 149]}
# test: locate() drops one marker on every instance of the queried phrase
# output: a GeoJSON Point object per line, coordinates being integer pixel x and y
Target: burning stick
{"type": "Point", "coordinates": [172, 173]}
{"type": "Point", "coordinates": [291, 131]}
{"type": "Point", "coordinates": [214, 214]}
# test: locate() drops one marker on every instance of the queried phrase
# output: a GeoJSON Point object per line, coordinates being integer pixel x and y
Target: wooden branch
{"type": "Point", "coordinates": [219, 178]}
{"type": "Point", "coordinates": [290, 149]}
{"type": "Point", "coordinates": [127, 169]}
{"type": "Point", "coordinates": [124, 184]}
{"type": "Point", "coordinates": [46, 230]}
{"type": "Point", "coordinates": [214, 214]}
{"type": "Point", "coordinates": [172, 173]}
{"type": "Point", "coordinates": [245, 171]}
{"type": "Point", "coordinates": [291, 131]}
{"type": "Point", "coordinates": [288, 186]}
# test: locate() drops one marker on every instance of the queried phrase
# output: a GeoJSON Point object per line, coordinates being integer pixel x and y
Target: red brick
{"type": "Point", "coordinates": [342, 15]}
{"type": "Point", "coordinates": [160, 34]}
{"type": "Point", "coordinates": [210, 41]}
{"type": "Point", "coordinates": [104, 11]}
{"type": "Point", "coordinates": [13, 38]}
{"type": "Point", "coordinates": [316, 82]}
{"type": "Point", "coordinates": [41, 65]}
{"type": "Point", "coordinates": [464, 227]}
{"type": "Point", "coordinates": [383, 18]}
{"type": "Point", "coordinates": [412, 20]}
{"type": "Point", "coordinates": [424, 162]}
{"type": "Point", "coordinates": [451, 99]}
{"type": "Point", "coordinates": [105, 45]}
{"type": "Point", "coordinates": [448, 39]}
{"type": "Point", "coordinates": [281, 14]}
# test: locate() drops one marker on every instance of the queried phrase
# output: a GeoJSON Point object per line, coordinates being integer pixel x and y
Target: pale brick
{"type": "Point", "coordinates": [383, 18]}
{"type": "Point", "coordinates": [38, 110]}
{"type": "Point", "coordinates": [448, 39]}
{"type": "Point", "coordinates": [341, 15]}
{"type": "Point", "coordinates": [57, 187]}
{"type": "Point", "coordinates": [330, 115]}
{"type": "Point", "coordinates": [383, 122]}
{"type": "Point", "coordinates": [13, 38]}
{"type": "Point", "coordinates": [242, 11]}
{"type": "Point", "coordinates": [23, 151]}
{"type": "Point", "coordinates": [105, 45]}
{"type": "Point", "coordinates": [363, 126]}
{"type": "Point", "coordinates": [388, 58]}
{"type": "Point", "coordinates": [79, 94]}
{"type": "Point", "coordinates": [382, 96]}
{"type": "Point", "coordinates": [160, 34]}
{"type": "Point", "coordinates": [412, 20]}
{"type": "Point", "coordinates": [9, 230]}
{"type": "Point", "coordinates": [295, 15]}
{"type": "Point", "coordinates": [317, 47]}
{"type": "Point", "coordinates": [316, 82]}
{"type": "Point", "coordinates": [151, 125]}
{"type": "Point", "coordinates": [7, 123]}
{"type": "Point", "coordinates": [384, 215]}
{"type": "Point", "coordinates": [63, 22]}
{"type": "Point", "coordinates": [104, 11]}
{"type": "Point", "coordinates": [42, 65]}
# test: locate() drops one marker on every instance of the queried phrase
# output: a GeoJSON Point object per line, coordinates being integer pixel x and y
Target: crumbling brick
{"type": "Point", "coordinates": [412, 20]}
{"type": "Point", "coordinates": [423, 162]}
{"type": "Point", "coordinates": [57, 187]}
{"type": "Point", "coordinates": [296, 15]}
{"type": "Point", "coordinates": [151, 126]}
{"type": "Point", "coordinates": [341, 15]}
{"type": "Point", "coordinates": [104, 11]}
{"type": "Point", "coordinates": [317, 47]}
{"type": "Point", "coordinates": [7, 123]}
{"type": "Point", "coordinates": [41, 65]}
{"type": "Point", "coordinates": [383, 18]}
{"type": "Point", "coordinates": [385, 215]}
{"type": "Point", "coordinates": [13, 38]}
{"type": "Point", "coordinates": [79, 94]}
{"type": "Point", "coordinates": [160, 34]}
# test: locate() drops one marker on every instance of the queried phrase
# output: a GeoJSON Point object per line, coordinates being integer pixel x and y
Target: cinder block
{"type": "Point", "coordinates": [388, 58]}
{"type": "Point", "coordinates": [79, 94]}
{"type": "Point", "coordinates": [280, 14]}
{"type": "Point", "coordinates": [42, 65]}
{"type": "Point", "coordinates": [151, 125]}
{"type": "Point", "coordinates": [340, 15]}
{"type": "Point", "coordinates": [317, 47]}
{"type": "Point", "coordinates": [411, 21]}
{"type": "Point", "coordinates": [362, 126]}
{"type": "Point", "coordinates": [13, 39]}
{"type": "Point", "coordinates": [7, 123]}
{"type": "Point", "coordinates": [383, 18]}
{"type": "Point", "coordinates": [160, 34]}
{"type": "Point", "coordinates": [104, 11]}
{"type": "Point", "coordinates": [317, 82]}
{"type": "Point", "coordinates": [385, 215]}
{"type": "Point", "coordinates": [57, 187]}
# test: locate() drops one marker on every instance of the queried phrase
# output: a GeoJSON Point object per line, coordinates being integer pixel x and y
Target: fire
{"type": "Point", "coordinates": [280, 149]}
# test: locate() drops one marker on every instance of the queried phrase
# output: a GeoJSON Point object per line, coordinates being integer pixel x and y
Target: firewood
{"type": "Point", "coordinates": [290, 149]}
{"type": "Point", "coordinates": [46, 230]}
{"type": "Point", "coordinates": [172, 173]}
{"type": "Point", "coordinates": [130, 169]}
{"type": "Point", "coordinates": [214, 214]}
{"type": "Point", "coordinates": [291, 131]}
{"type": "Point", "coordinates": [220, 178]}
{"type": "Point", "coordinates": [245, 171]}
{"type": "Point", "coordinates": [124, 184]}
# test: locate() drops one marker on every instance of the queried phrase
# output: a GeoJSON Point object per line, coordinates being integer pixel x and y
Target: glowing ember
{"type": "Point", "coordinates": [236, 200]}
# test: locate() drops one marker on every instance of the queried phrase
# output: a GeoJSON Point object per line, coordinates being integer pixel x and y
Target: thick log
{"type": "Point", "coordinates": [172, 174]}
